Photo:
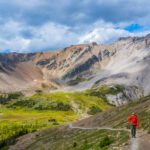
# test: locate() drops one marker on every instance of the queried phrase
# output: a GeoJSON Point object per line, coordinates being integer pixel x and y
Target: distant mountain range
{"type": "Point", "coordinates": [80, 67]}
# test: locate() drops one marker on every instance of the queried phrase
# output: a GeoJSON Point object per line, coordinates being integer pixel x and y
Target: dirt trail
{"type": "Point", "coordinates": [99, 128]}
{"type": "Point", "coordinates": [141, 142]}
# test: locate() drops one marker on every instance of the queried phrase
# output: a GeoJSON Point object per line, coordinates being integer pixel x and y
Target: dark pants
{"type": "Point", "coordinates": [133, 131]}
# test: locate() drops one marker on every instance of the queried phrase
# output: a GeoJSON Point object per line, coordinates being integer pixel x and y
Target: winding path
{"type": "Point", "coordinates": [98, 128]}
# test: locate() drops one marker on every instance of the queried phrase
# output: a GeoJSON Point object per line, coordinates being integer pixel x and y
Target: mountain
{"type": "Point", "coordinates": [51, 89]}
{"type": "Point", "coordinates": [80, 67]}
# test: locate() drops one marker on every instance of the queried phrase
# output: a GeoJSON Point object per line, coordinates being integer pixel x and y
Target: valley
{"type": "Point", "coordinates": [103, 131]}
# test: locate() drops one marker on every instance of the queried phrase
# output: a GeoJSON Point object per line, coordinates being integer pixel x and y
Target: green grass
{"type": "Point", "coordinates": [76, 139]}
{"type": "Point", "coordinates": [106, 141]}
{"type": "Point", "coordinates": [14, 123]}
{"type": "Point", "coordinates": [20, 115]}
{"type": "Point", "coordinates": [93, 110]}
{"type": "Point", "coordinates": [60, 101]}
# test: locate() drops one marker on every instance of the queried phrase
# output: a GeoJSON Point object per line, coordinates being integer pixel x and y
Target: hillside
{"type": "Point", "coordinates": [64, 137]}
{"type": "Point", "coordinates": [20, 115]}
{"type": "Point", "coordinates": [117, 118]}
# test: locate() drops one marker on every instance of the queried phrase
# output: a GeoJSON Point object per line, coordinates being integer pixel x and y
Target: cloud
{"type": "Point", "coordinates": [52, 36]}
{"type": "Point", "coordinates": [37, 12]}
{"type": "Point", "coordinates": [17, 44]}
{"type": "Point", "coordinates": [37, 25]}
{"type": "Point", "coordinates": [22, 38]}
{"type": "Point", "coordinates": [102, 32]}
{"type": "Point", "coordinates": [103, 35]}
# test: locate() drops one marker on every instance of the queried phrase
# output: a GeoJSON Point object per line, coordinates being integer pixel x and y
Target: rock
{"type": "Point", "coordinates": [129, 93]}
{"type": "Point", "coordinates": [43, 62]}
{"type": "Point", "coordinates": [82, 67]}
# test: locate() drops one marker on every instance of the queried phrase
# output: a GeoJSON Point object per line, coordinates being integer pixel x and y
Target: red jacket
{"type": "Point", "coordinates": [134, 120]}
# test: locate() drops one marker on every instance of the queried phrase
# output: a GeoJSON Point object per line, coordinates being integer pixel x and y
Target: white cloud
{"type": "Point", "coordinates": [35, 25]}
{"type": "Point", "coordinates": [10, 29]}
{"type": "Point", "coordinates": [53, 36]}
{"type": "Point", "coordinates": [103, 32]}
{"type": "Point", "coordinates": [17, 44]}
{"type": "Point", "coordinates": [103, 35]}
{"type": "Point", "coordinates": [49, 35]}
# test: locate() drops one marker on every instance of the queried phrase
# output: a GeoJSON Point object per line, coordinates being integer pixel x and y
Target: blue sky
{"type": "Point", "coordinates": [40, 25]}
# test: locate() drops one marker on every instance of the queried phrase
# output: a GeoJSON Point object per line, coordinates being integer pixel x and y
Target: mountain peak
{"type": "Point", "coordinates": [134, 37]}
{"type": "Point", "coordinates": [148, 35]}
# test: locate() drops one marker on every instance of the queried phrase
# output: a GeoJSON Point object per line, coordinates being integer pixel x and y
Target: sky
{"type": "Point", "coordinates": [41, 25]}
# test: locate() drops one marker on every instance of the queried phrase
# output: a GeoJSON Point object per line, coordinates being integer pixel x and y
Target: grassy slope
{"type": "Point", "coordinates": [27, 114]}
{"type": "Point", "coordinates": [118, 117]}
{"type": "Point", "coordinates": [52, 101]}
{"type": "Point", "coordinates": [76, 139]}
{"type": "Point", "coordinates": [14, 123]}
{"type": "Point", "coordinates": [36, 111]}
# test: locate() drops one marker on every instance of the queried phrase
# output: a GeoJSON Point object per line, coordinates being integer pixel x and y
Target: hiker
{"type": "Point", "coordinates": [133, 119]}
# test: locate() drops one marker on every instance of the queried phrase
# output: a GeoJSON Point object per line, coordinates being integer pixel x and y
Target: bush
{"type": "Point", "coordinates": [15, 95]}
{"type": "Point", "coordinates": [106, 141]}
{"type": "Point", "coordinates": [40, 104]}
{"type": "Point", "coordinates": [38, 91]}
{"type": "Point", "coordinates": [61, 106]}
{"type": "Point", "coordinates": [55, 123]}
{"type": "Point", "coordinates": [104, 90]}
{"type": "Point", "coordinates": [74, 144]}
{"type": "Point", "coordinates": [4, 98]}
{"type": "Point", "coordinates": [93, 110]}
{"type": "Point", "coordinates": [27, 103]}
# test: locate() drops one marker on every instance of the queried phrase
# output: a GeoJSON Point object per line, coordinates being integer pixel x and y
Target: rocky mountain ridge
{"type": "Point", "coordinates": [79, 67]}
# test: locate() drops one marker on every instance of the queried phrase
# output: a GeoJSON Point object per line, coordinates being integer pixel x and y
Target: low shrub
{"type": "Point", "coordinates": [40, 105]}
{"type": "Point", "coordinates": [93, 110]}
{"type": "Point", "coordinates": [75, 144]}
{"type": "Point", "coordinates": [106, 141]}
{"type": "Point", "coordinates": [7, 97]}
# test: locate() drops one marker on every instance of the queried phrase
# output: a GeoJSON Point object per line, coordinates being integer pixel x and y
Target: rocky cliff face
{"type": "Point", "coordinates": [128, 93]}
{"type": "Point", "coordinates": [124, 62]}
